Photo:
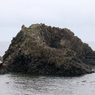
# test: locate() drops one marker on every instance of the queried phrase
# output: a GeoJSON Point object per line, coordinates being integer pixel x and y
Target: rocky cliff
{"type": "Point", "coordinates": [41, 49]}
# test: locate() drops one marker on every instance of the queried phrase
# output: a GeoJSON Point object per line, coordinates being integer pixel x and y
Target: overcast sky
{"type": "Point", "coordinates": [76, 15]}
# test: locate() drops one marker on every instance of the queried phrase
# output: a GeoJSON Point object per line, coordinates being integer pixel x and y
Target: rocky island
{"type": "Point", "coordinates": [41, 49]}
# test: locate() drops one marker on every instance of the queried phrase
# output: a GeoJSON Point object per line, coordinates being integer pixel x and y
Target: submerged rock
{"type": "Point", "coordinates": [42, 49]}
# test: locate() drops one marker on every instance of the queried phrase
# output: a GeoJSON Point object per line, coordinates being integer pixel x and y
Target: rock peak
{"type": "Point", "coordinates": [23, 27]}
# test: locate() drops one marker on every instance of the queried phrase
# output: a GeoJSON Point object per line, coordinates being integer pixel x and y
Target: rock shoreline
{"type": "Point", "coordinates": [41, 49]}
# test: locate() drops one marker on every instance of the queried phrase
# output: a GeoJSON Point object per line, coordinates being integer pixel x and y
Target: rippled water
{"type": "Point", "coordinates": [25, 84]}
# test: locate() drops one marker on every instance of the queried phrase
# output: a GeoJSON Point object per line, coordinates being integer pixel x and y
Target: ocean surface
{"type": "Point", "coordinates": [27, 84]}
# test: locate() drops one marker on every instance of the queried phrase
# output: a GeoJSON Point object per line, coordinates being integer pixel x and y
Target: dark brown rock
{"type": "Point", "coordinates": [42, 49]}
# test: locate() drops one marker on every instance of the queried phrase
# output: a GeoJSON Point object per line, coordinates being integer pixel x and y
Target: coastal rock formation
{"type": "Point", "coordinates": [41, 49]}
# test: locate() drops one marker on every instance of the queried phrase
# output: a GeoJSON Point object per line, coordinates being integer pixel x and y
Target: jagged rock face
{"type": "Point", "coordinates": [42, 49]}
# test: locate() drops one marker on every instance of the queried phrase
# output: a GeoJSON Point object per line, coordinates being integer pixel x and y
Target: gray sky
{"type": "Point", "coordinates": [76, 15]}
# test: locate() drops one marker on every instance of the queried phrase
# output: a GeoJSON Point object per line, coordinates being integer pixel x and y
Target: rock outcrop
{"type": "Point", "coordinates": [42, 49]}
{"type": "Point", "coordinates": [3, 67]}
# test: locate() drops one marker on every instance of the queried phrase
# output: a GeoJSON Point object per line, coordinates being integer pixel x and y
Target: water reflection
{"type": "Point", "coordinates": [24, 84]}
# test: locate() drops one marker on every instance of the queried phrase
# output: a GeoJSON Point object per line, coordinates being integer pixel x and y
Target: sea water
{"type": "Point", "coordinates": [27, 84]}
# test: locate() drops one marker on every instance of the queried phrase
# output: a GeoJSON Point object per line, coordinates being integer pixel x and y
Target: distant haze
{"type": "Point", "coordinates": [76, 15]}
